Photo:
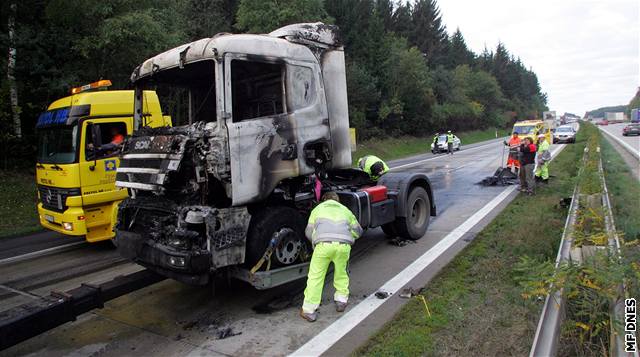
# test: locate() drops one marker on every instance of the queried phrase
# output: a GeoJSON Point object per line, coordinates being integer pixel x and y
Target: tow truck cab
{"type": "Point", "coordinates": [531, 129]}
{"type": "Point", "coordinates": [75, 179]}
{"type": "Point", "coordinates": [268, 130]}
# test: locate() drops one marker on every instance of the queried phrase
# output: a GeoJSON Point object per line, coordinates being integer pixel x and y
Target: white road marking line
{"type": "Point", "coordinates": [437, 157]}
{"type": "Point", "coordinates": [339, 328]}
{"type": "Point", "coordinates": [39, 253]}
{"type": "Point", "coordinates": [626, 145]}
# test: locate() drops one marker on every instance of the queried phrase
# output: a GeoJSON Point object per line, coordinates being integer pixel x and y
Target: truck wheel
{"type": "Point", "coordinates": [415, 224]}
{"type": "Point", "coordinates": [390, 230]}
{"type": "Point", "coordinates": [283, 224]}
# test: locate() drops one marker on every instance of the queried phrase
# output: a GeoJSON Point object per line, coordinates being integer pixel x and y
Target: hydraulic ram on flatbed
{"type": "Point", "coordinates": [31, 319]}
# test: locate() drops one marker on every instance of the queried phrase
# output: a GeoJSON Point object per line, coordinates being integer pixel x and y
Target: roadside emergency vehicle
{"type": "Point", "coordinates": [75, 169]}
{"type": "Point", "coordinates": [531, 129]}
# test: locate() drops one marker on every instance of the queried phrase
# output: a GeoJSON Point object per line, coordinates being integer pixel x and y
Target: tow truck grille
{"type": "Point", "coordinates": [54, 198]}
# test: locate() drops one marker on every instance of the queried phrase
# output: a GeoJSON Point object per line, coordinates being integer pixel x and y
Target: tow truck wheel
{"type": "Point", "coordinates": [281, 224]}
{"type": "Point", "coordinates": [416, 222]}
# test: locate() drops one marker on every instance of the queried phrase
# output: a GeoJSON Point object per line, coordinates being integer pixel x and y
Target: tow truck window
{"type": "Point", "coordinates": [107, 142]}
{"type": "Point", "coordinates": [186, 94]}
{"type": "Point", "coordinates": [257, 89]}
{"type": "Point", "coordinates": [524, 129]}
{"type": "Point", "coordinates": [57, 144]}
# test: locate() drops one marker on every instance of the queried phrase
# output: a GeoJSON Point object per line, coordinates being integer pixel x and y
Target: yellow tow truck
{"type": "Point", "coordinates": [78, 143]}
{"type": "Point", "coordinates": [531, 129]}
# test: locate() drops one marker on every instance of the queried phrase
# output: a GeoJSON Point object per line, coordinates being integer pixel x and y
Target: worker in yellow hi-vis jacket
{"type": "Point", "coordinates": [332, 229]}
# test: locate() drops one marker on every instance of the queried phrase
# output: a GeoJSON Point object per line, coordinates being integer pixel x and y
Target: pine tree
{"type": "Point", "coordinates": [429, 34]}
{"type": "Point", "coordinates": [401, 20]}
{"type": "Point", "coordinates": [459, 53]}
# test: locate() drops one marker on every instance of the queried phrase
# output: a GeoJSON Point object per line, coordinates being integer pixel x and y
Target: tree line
{"type": "Point", "coordinates": [406, 74]}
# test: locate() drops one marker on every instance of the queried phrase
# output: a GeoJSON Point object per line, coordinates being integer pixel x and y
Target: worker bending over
{"type": "Point", "coordinates": [332, 229]}
{"type": "Point", "coordinates": [513, 144]}
{"type": "Point", "coordinates": [543, 158]}
{"type": "Point", "coordinates": [373, 166]}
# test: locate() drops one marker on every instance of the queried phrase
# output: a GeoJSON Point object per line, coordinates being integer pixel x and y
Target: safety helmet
{"type": "Point", "coordinates": [449, 131]}
{"type": "Point", "coordinates": [541, 136]}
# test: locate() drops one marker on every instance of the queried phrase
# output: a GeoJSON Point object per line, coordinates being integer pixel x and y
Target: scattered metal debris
{"type": "Point", "coordinates": [401, 242]}
{"type": "Point", "coordinates": [226, 332]}
{"type": "Point", "coordinates": [408, 293]}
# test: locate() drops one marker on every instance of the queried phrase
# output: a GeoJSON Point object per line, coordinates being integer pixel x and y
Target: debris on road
{"type": "Point", "coordinates": [408, 293]}
{"type": "Point", "coordinates": [502, 177]}
{"type": "Point", "coordinates": [400, 242]}
{"type": "Point", "coordinates": [226, 332]}
{"type": "Point", "coordinates": [382, 294]}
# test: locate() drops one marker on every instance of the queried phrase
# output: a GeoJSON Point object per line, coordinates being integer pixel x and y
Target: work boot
{"type": "Point", "coordinates": [545, 181]}
{"type": "Point", "coordinates": [340, 306]}
{"type": "Point", "coordinates": [311, 317]}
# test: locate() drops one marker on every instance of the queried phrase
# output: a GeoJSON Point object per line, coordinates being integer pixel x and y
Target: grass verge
{"type": "Point", "coordinates": [18, 200]}
{"type": "Point", "coordinates": [395, 148]}
{"type": "Point", "coordinates": [475, 301]}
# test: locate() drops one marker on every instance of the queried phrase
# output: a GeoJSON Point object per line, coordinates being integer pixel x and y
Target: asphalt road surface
{"type": "Point", "coordinates": [170, 318]}
{"type": "Point", "coordinates": [627, 146]}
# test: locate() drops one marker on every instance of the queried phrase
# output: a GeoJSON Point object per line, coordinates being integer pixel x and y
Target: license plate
{"type": "Point", "coordinates": [49, 218]}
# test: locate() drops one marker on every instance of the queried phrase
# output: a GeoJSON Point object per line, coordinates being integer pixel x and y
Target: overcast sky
{"type": "Point", "coordinates": [585, 52]}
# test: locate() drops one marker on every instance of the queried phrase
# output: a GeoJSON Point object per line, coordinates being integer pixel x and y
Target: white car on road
{"type": "Point", "coordinates": [442, 144]}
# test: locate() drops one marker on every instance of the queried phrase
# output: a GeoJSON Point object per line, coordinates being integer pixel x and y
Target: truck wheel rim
{"type": "Point", "coordinates": [418, 213]}
{"type": "Point", "coordinates": [289, 246]}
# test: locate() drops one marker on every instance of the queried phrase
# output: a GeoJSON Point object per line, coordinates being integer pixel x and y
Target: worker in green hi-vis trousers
{"type": "Point", "coordinates": [332, 229]}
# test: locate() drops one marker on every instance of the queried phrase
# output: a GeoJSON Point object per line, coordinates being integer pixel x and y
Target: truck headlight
{"type": "Point", "coordinates": [176, 261]}
{"type": "Point", "coordinates": [67, 226]}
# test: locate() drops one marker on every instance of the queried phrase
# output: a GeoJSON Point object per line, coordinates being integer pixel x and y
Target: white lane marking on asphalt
{"type": "Point", "coordinates": [626, 145]}
{"type": "Point", "coordinates": [437, 157]}
{"type": "Point", "coordinates": [321, 342]}
{"type": "Point", "coordinates": [39, 253]}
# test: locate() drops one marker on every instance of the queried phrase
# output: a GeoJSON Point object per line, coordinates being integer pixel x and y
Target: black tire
{"type": "Point", "coordinates": [390, 230]}
{"type": "Point", "coordinates": [268, 222]}
{"type": "Point", "coordinates": [415, 224]}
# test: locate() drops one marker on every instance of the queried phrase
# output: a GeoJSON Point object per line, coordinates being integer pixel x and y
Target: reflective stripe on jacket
{"type": "Point", "coordinates": [449, 138]}
{"type": "Point", "coordinates": [365, 163]}
{"type": "Point", "coordinates": [330, 221]}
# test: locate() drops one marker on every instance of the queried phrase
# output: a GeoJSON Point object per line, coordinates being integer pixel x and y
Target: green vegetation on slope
{"type": "Point", "coordinates": [18, 204]}
{"type": "Point", "coordinates": [475, 301]}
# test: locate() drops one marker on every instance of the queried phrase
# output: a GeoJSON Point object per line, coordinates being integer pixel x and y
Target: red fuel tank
{"type": "Point", "coordinates": [376, 193]}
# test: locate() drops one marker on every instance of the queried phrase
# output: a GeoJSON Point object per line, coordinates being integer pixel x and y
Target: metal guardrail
{"type": "Point", "coordinates": [545, 343]}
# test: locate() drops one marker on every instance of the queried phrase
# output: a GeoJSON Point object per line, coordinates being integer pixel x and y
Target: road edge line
{"type": "Point", "coordinates": [40, 253]}
{"type": "Point", "coordinates": [624, 144]}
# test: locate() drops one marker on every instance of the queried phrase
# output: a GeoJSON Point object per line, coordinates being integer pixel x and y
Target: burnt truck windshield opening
{"type": "Point", "coordinates": [187, 95]}
{"type": "Point", "coordinates": [58, 144]}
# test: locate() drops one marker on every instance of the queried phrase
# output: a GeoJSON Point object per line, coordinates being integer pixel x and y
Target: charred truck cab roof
{"type": "Point", "coordinates": [308, 121]}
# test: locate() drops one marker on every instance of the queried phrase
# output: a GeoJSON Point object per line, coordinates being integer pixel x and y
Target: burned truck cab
{"type": "Point", "coordinates": [254, 117]}
{"type": "Point", "coordinates": [260, 129]}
